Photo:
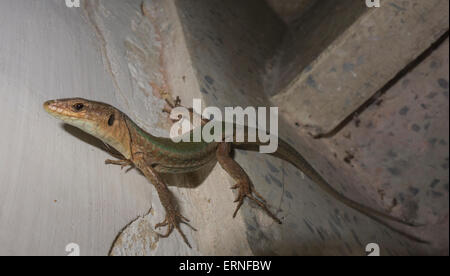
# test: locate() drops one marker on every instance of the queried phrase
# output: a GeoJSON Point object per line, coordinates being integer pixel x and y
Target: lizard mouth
{"type": "Point", "coordinates": [53, 109]}
{"type": "Point", "coordinates": [72, 112]}
{"type": "Point", "coordinates": [63, 110]}
{"type": "Point", "coordinates": [50, 106]}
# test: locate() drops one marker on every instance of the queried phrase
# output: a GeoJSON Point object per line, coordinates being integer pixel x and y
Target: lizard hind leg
{"type": "Point", "coordinates": [243, 183]}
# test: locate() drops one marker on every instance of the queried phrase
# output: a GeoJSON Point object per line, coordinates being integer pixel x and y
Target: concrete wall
{"type": "Point", "coordinates": [290, 10]}
{"type": "Point", "coordinates": [340, 53]}
{"type": "Point", "coordinates": [55, 189]}
{"type": "Point", "coordinates": [308, 35]}
{"type": "Point", "coordinates": [223, 43]}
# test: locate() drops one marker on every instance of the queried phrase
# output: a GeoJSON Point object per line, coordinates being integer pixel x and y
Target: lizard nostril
{"type": "Point", "coordinates": [48, 105]}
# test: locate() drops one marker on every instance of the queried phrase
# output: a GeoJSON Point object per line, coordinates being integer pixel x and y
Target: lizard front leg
{"type": "Point", "coordinates": [122, 163]}
{"type": "Point", "coordinates": [243, 183]}
{"type": "Point", "coordinates": [173, 217]}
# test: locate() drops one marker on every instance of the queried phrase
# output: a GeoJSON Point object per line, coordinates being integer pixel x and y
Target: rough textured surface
{"type": "Point", "coordinates": [395, 154]}
{"type": "Point", "coordinates": [56, 190]}
{"type": "Point", "coordinates": [54, 186]}
{"type": "Point", "coordinates": [307, 37]}
{"type": "Point", "coordinates": [290, 10]}
{"type": "Point", "coordinates": [230, 43]}
{"type": "Point", "coordinates": [322, 226]}
{"type": "Point", "coordinates": [400, 145]}
{"type": "Point", "coordinates": [359, 62]}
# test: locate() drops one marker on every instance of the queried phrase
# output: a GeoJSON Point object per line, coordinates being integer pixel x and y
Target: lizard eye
{"type": "Point", "coordinates": [78, 106]}
{"type": "Point", "coordinates": [111, 120]}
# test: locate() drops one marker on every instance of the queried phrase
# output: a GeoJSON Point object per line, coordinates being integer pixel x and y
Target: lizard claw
{"type": "Point", "coordinates": [172, 221]}
{"type": "Point", "coordinates": [169, 105]}
{"type": "Point", "coordinates": [247, 190]}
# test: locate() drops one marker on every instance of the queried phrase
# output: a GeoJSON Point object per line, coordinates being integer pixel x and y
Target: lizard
{"type": "Point", "coordinates": [154, 156]}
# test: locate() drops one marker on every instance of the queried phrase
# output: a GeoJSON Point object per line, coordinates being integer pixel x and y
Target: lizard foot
{"type": "Point", "coordinates": [169, 105]}
{"type": "Point", "coordinates": [243, 182]}
{"type": "Point", "coordinates": [246, 189]}
{"type": "Point", "coordinates": [173, 220]}
{"type": "Point", "coordinates": [122, 163]}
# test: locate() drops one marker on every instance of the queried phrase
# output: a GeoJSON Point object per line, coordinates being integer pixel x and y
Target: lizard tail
{"type": "Point", "coordinates": [289, 154]}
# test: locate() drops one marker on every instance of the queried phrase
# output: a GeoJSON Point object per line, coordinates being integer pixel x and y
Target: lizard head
{"type": "Point", "coordinates": [101, 120]}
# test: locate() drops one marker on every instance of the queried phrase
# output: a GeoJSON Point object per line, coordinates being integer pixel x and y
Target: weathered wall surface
{"type": "Point", "coordinates": [398, 149]}
{"type": "Point", "coordinates": [395, 153]}
{"type": "Point", "coordinates": [309, 34]}
{"type": "Point", "coordinates": [55, 189]}
{"type": "Point", "coordinates": [313, 223]}
{"type": "Point", "coordinates": [321, 82]}
{"type": "Point", "coordinates": [290, 10]}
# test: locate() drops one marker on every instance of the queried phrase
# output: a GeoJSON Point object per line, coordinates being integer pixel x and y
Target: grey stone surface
{"type": "Point", "coordinates": [313, 222]}
{"type": "Point", "coordinates": [321, 82]}
{"type": "Point", "coordinates": [55, 189]}
{"type": "Point", "coordinates": [290, 10]}
{"type": "Point", "coordinates": [54, 186]}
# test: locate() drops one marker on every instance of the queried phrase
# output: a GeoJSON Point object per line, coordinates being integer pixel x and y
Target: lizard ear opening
{"type": "Point", "coordinates": [111, 120]}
